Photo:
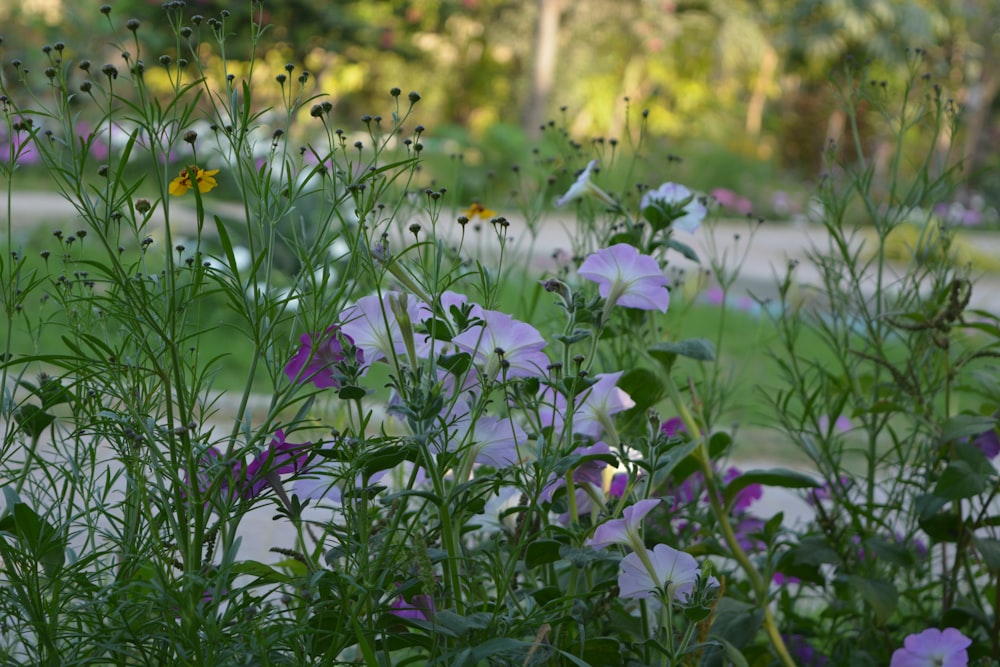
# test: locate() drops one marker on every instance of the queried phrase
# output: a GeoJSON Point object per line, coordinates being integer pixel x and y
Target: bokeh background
{"type": "Point", "coordinates": [740, 88]}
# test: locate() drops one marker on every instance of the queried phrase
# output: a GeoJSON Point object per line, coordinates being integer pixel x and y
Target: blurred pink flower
{"type": "Point", "coordinates": [933, 648]}
{"type": "Point", "coordinates": [730, 199]}
{"type": "Point", "coordinates": [626, 277]}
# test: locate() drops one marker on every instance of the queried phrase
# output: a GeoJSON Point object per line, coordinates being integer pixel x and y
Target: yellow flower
{"type": "Point", "coordinates": [205, 180]}
{"type": "Point", "coordinates": [480, 211]}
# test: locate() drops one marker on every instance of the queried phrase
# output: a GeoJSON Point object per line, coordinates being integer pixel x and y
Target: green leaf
{"type": "Point", "coordinates": [455, 364]}
{"type": "Point", "coordinates": [45, 544]}
{"type": "Point", "coordinates": [989, 549]}
{"type": "Point", "coordinates": [788, 479]}
{"type": "Point", "coordinates": [437, 329]}
{"type": "Point", "coordinates": [603, 652]}
{"type": "Point", "coordinates": [941, 527]}
{"type": "Point", "coordinates": [542, 552]}
{"type": "Point", "coordinates": [958, 481]}
{"type": "Point", "coordinates": [643, 386]}
{"type": "Point", "coordinates": [963, 426]}
{"type": "Point", "coordinates": [351, 393]}
{"type": "Point", "coordinates": [683, 249]}
{"type": "Point", "coordinates": [262, 572]}
{"type": "Point", "coordinates": [880, 595]}
{"type": "Point", "coordinates": [736, 622]}
{"type": "Point", "coordinates": [733, 654]}
{"type": "Point", "coordinates": [699, 349]}
{"type": "Point", "coordinates": [33, 420]}
{"type": "Point", "coordinates": [52, 392]}
{"type": "Point", "coordinates": [462, 625]}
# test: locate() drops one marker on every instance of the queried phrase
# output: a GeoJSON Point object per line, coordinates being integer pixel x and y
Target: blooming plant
{"type": "Point", "coordinates": [470, 482]}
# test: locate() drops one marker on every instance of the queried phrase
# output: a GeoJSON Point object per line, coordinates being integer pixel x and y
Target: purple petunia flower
{"type": "Point", "coordinates": [504, 347]}
{"type": "Point", "coordinates": [675, 572]}
{"type": "Point", "coordinates": [933, 648]}
{"type": "Point", "coordinates": [625, 530]}
{"type": "Point", "coordinates": [628, 278]}
{"type": "Point", "coordinates": [317, 357]}
{"type": "Point", "coordinates": [988, 443]}
{"type": "Point", "coordinates": [373, 325]}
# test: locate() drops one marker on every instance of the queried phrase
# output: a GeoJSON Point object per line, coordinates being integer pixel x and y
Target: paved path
{"type": "Point", "coordinates": [771, 247]}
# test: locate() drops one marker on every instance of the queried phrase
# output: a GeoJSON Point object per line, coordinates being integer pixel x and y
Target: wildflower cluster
{"type": "Point", "coordinates": [314, 425]}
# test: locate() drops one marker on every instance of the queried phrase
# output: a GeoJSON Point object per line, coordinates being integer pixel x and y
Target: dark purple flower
{"type": "Point", "coordinates": [747, 496]}
{"type": "Point", "coordinates": [988, 443]}
{"type": "Point", "coordinates": [317, 357]}
{"type": "Point", "coordinates": [419, 607]}
{"type": "Point", "coordinates": [280, 458]}
{"type": "Point", "coordinates": [673, 426]}
{"type": "Point", "coordinates": [803, 652]}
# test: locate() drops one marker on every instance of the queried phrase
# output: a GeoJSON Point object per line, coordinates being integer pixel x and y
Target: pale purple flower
{"type": "Point", "coordinates": [494, 441]}
{"type": "Point", "coordinates": [328, 479]}
{"type": "Point", "coordinates": [672, 571]}
{"type": "Point", "coordinates": [504, 347]}
{"type": "Point", "coordinates": [668, 197]}
{"type": "Point", "coordinates": [841, 424]}
{"type": "Point", "coordinates": [603, 399]}
{"type": "Point", "coordinates": [373, 326]}
{"type": "Point", "coordinates": [317, 357]}
{"type": "Point", "coordinates": [583, 186]}
{"type": "Point", "coordinates": [625, 530]}
{"type": "Point", "coordinates": [628, 278]}
{"type": "Point", "coordinates": [933, 648]}
{"type": "Point", "coordinates": [587, 474]}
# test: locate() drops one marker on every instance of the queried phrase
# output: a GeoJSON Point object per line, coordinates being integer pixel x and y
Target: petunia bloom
{"type": "Point", "coordinates": [623, 531]}
{"type": "Point", "coordinates": [933, 648]}
{"type": "Point", "coordinates": [247, 481]}
{"type": "Point", "coordinates": [583, 186]}
{"type": "Point", "coordinates": [374, 326]}
{"type": "Point", "coordinates": [669, 570]}
{"type": "Point", "coordinates": [204, 180]}
{"type": "Point", "coordinates": [280, 458]}
{"type": "Point", "coordinates": [603, 399]}
{"type": "Point", "coordinates": [628, 278]}
{"type": "Point", "coordinates": [988, 443]}
{"type": "Point", "coordinates": [317, 357]}
{"type": "Point", "coordinates": [503, 346]}
{"type": "Point", "coordinates": [669, 198]}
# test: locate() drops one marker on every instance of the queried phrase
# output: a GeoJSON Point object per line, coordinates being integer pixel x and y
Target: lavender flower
{"type": "Point", "coordinates": [933, 648]}
{"type": "Point", "coordinates": [628, 278]}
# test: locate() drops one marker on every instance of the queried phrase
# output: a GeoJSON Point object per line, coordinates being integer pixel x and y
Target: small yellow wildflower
{"type": "Point", "coordinates": [205, 180]}
{"type": "Point", "coordinates": [477, 210]}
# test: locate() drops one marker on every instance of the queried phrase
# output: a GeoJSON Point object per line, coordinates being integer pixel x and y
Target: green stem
{"type": "Point", "coordinates": [757, 583]}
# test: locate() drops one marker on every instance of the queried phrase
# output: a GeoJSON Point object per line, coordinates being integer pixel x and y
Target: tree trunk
{"type": "Point", "coordinates": [543, 66]}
